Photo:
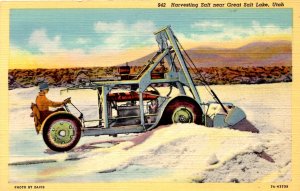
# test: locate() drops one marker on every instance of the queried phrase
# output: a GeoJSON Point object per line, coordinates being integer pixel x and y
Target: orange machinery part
{"type": "Point", "coordinates": [124, 70]}
{"type": "Point", "coordinates": [131, 96]}
{"type": "Point", "coordinates": [157, 75]}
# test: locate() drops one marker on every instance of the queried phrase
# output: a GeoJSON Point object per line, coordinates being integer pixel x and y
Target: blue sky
{"type": "Point", "coordinates": [48, 31]}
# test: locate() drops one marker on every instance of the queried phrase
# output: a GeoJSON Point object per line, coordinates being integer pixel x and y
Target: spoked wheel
{"type": "Point", "coordinates": [182, 115]}
{"type": "Point", "coordinates": [61, 133]}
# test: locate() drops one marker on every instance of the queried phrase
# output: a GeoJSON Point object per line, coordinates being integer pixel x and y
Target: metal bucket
{"type": "Point", "coordinates": [215, 116]}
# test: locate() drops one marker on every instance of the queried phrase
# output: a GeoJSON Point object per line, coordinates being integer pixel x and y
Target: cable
{"type": "Point", "coordinates": [207, 87]}
{"type": "Point", "coordinates": [193, 68]}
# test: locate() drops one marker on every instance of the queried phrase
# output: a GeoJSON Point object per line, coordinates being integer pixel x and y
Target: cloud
{"type": "Point", "coordinates": [82, 40]}
{"type": "Point", "coordinates": [143, 27]}
{"type": "Point", "coordinates": [207, 25]}
{"type": "Point", "coordinates": [101, 27]}
{"type": "Point", "coordinates": [39, 39]}
{"type": "Point", "coordinates": [120, 27]}
{"type": "Point", "coordinates": [113, 38]}
{"type": "Point", "coordinates": [269, 29]}
{"type": "Point", "coordinates": [119, 35]}
{"type": "Point", "coordinates": [232, 32]}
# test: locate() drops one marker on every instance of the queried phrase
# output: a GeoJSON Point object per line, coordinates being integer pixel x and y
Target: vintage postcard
{"type": "Point", "coordinates": [149, 95]}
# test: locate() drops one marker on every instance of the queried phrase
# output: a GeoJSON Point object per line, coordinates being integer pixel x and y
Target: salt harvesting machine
{"type": "Point", "coordinates": [134, 104]}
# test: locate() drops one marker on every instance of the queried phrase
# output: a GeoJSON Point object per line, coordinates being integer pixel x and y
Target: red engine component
{"type": "Point", "coordinates": [124, 70]}
{"type": "Point", "coordinates": [157, 75]}
{"type": "Point", "coordinates": [131, 96]}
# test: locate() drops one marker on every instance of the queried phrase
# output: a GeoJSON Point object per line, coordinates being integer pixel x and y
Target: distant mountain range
{"type": "Point", "coordinates": [256, 54]}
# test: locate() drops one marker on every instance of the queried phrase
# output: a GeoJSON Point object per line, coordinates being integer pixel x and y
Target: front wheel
{"type": "Point", "coordinates": [62, 133]}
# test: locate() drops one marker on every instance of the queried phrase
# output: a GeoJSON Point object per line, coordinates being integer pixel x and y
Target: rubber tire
{"type": "Point", "coordinates": [186, 102]}
{"type": "Point", "coordinates": [77, 129]}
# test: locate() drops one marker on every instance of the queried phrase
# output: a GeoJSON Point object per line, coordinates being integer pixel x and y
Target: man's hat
{"type": "Point", "coordinates": [43, 86]}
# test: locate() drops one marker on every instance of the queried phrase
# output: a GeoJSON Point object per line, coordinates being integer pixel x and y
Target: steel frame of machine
{"type": "Point", "coordinates": [180, 78]}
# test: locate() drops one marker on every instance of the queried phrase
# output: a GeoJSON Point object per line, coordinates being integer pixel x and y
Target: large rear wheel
{"type": "Point", "coordinates": [182, 110]}
{"type": "Point", "coordinates": [182, 115]}
{"type": "Point", "coordinates": [61, 133]}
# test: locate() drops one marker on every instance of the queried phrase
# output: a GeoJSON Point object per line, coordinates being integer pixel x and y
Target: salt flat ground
{"type": "Point", "coordinates": [174, 153]}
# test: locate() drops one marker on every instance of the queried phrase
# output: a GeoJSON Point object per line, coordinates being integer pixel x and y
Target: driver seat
{"type": "Point", "coordinates": [36, 116]}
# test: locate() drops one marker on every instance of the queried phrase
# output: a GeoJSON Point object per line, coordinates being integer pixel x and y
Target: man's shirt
{"type": "Point", "coordinates": [43, 103]}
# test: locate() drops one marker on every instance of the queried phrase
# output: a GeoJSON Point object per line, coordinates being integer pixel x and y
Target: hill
{"type": "Point", "coordinates": [255, 54]}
